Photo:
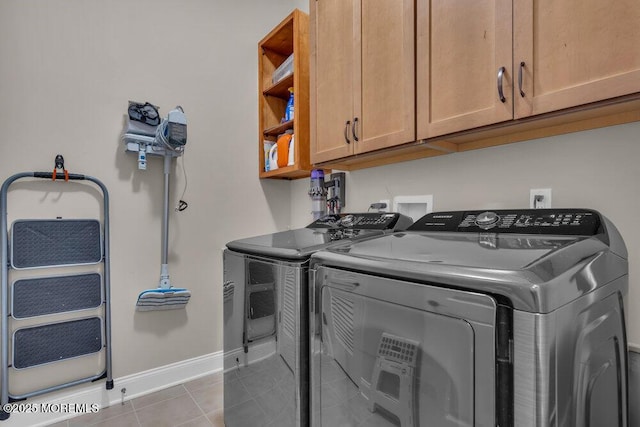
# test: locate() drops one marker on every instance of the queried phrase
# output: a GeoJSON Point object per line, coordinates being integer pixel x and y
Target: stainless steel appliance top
{"type": "Point", "coordinates": [519, 254]}
{"type": "Point", "coordinates": [497, 252]}
{"type": "Point", "coordinates": [325, 232]}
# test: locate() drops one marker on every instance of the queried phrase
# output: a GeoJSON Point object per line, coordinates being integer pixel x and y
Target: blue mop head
{"type": "Point", "coordinates": [162, 299]}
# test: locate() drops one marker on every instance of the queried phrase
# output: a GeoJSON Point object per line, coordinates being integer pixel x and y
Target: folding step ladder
{"type": "Point", "coordinates": [54, 297]}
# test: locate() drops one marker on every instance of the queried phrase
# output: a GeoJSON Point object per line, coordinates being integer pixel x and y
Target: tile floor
{"type": "Point", "coordinates": [263, 394]}
{"type": "Point", "coordinates": [264, 397]}
{"type": "Point", "coordinates": [198, 403]}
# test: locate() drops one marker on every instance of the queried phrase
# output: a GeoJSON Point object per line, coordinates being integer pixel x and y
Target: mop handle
{"type": "Point", "coordinates": [165, 213]}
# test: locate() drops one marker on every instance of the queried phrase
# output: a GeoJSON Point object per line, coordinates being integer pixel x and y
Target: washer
{"type": "Point", "coordinates": [509, 318]}
{"type": "Point", "coordinates": [266, 316]}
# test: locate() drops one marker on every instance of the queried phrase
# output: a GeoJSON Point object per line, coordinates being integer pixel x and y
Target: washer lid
{"type": "Point", "coordinates": [535, 273]}
{"type": "Point", "coordinates": [538, 264]}
{"type": "Point", "coordinates": [490, 251]}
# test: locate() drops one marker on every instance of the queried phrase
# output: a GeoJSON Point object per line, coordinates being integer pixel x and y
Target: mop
{"type": "Point", "coordinates": [165, 296]}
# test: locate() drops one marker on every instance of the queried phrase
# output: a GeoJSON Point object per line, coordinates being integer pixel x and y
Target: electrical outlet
{"type": "Point", "coordinates": [540, 198]}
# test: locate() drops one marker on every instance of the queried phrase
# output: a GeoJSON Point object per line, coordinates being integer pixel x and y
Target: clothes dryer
{"type": "Point", "coordinates": [266, 316]}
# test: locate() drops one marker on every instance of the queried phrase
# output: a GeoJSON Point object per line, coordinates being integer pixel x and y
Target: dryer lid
{"type": "Point", "coordinates": [296, 244]}
{"type": "Point", "coordinates": [327, 231]}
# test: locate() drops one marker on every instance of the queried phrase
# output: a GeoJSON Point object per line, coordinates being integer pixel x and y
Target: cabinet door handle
{"type": "Point", "coordinates": [355, 129]}
{"type": "Point", "coordinates": [500, 93]}
{"type": "Point", "coordinates": [346, 131]}
{"type": "Point", "coordinates": [520, 78]}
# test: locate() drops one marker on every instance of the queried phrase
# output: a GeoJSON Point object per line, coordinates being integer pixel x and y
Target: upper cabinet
{"type": "Point", "coordinates": [464, 56]}
{"type": "Point", "coordinates": [362, 76]}
{"type": "Point", "coordinates": [399, 80]}
{"type": "Point", "coordinates": [481, 63]}
{"type": "Point", "coordinates": [288, 43]}
{"type": "Point", "coordinates": [574, 52]}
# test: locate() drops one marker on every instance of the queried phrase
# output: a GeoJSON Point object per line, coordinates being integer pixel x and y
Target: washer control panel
{"type": "Point", "coordinates": [364, 221]}
{"type": "Point", "coordinates": [525, 221]}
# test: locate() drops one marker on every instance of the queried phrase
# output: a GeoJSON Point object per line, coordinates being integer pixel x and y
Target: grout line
{"type": "Point", "coordinates": [184, 423]}
{"type": "Point", "coordinates": [204, 385]}
{"type": "Point", "coordinates": [197, 404]}
{"type": "Point", "coordinates": [199, 407]}
{"type": "Point", "coordinates": [92, 423]}
{"type": "Point", "coordinates": [135, 414]}
{"type": "Point", "coordinates": [135, 410]}
{"type": "Point", "coordinates": [159, 401]}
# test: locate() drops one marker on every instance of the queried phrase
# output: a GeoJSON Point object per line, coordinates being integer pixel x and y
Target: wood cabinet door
{"type": "Point", "coordinates": [461, 46]}
{"type": "Point", "coordinates": [575, 52]}
{"type": "Point", "coordinates": [385, 102]}
{"type": "Point", "coordinates": [333, 78]}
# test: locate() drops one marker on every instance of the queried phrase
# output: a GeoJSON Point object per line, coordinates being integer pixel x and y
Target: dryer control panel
{"type": "Point", "coordinates": [524, 221]}
{"type": "Point", "coordinates": [364, 221]}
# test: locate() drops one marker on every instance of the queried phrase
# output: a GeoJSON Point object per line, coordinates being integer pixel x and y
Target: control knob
{"type": "Point", "coordinates": [348, 220]}
{"type": "Point", "coordinates": [487, 220]}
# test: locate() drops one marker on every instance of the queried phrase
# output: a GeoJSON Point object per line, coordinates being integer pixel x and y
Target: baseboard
{"type": "Point", "coordinates": [238, 357]}
{"type": "Point", "coordinates": [136, 385]}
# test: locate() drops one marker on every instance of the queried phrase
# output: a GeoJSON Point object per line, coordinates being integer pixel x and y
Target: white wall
{"type": "Point", "coordinates": [67, 70]}
{"type": "Point", "coordinates": [302, 5]}
{"type": "Point", "coordinates": [594, 169]}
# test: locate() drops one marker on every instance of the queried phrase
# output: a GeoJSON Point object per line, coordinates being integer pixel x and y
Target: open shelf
{"type": "Point", "coordinates": [287, 172]}
{"type": "Point", "coordinates": [279, 129]}
{"type": "Point", "coordinates": [280, 89]}
{"type": "Point", "coordinates": [291, 36]}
